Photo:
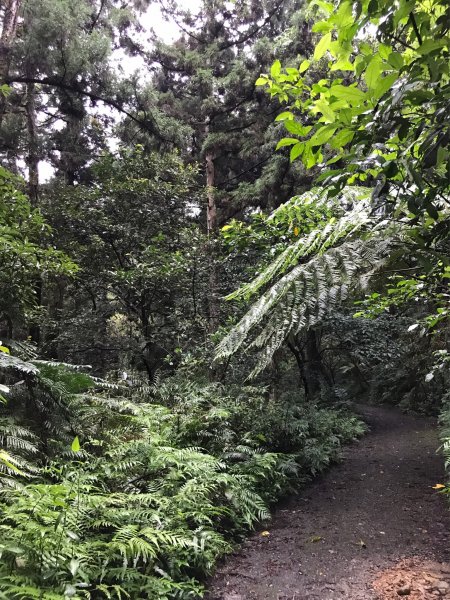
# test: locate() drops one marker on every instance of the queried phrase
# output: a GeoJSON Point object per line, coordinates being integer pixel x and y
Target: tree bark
{"type": "Point", "coordinates": [32, 161]}
{"type": "Point", "coordinates": [211, 224]}
{"type": "Point", "coordinates": [316, 372]}
{"type": "Point", "coordinates": [33, 157]}
{"type": "Point", "coordinates": [300, 360]}
{"type": "Point", "coordinates": [211, 214]}
{"type": "Point", "coordinates": [7, 37]}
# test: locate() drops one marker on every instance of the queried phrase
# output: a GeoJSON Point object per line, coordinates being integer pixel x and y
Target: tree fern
{"type": "Point", "coordinates": [343, 225]}
{"type": "Point", "coordinates": [309, 292]}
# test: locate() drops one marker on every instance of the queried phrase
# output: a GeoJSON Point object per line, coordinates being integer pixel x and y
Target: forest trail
{"type": "Point", "coordinates": [370, 528]}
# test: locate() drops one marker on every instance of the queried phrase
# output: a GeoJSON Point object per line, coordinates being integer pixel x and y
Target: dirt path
{"type": "Point", "coordinates": [371, 527]}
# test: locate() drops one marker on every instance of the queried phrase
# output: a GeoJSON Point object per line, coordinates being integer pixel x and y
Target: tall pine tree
{"type": "Point", "coordinates": [204, 88]}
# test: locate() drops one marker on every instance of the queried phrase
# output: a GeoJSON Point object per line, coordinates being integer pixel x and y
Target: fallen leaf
{"type": "Point", "coordinates": [438, 486]}
{"type": "Point", "coordinates": [315, 538]}
{"type": "Point", "coordinates": [264, 533]}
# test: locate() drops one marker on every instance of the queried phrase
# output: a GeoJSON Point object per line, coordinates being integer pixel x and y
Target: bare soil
{"type": "Point", "coordinates": [371, 528]}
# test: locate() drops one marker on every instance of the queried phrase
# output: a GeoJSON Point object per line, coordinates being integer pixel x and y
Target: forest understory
{"type": "Point", "coordinates": [372, 527]}
{"type": "Point", "coordinates": [224, 227]}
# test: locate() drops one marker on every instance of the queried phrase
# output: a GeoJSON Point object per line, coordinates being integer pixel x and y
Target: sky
{"type": "Point", "coordinates": [168, 31]}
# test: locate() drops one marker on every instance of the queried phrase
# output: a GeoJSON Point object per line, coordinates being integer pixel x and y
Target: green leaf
{"type": "Point", "coordinates": [297, 128]}
{"type": "Point", "coordinates": [322, 46]}
{"type": "Point", "coordinates": [296, 151]}
{"type": "Point", "coordinates": [384, 84]}
{"type": "Point", "coordinates": [384, 51]}
{"type": "Point", "coordinates": [396, 60]}
{"type": "Point", "coordinates": [76, 445]}
{"type": "Point", "coordinates": [286, 142]}
{"type": "Point", "coordinates": [343, 18]}
{"type": "Point", "coordinates": [373, 72]}
{"type": "Point", "coordinates": [442, 156]}
{"type": "Point", "coordinates": [322, 135]}
{"type": "Point", "coordinates": [343, 64]}
{"type": "Point", "coordinates": [261, 81]}
{"type": "Point", "coordinates": [285, 116]}
{"type": "Point", "coordinates": [304, 66]}
{"type": "Point", "coordinates": [350, 93]}
{"type": "Point", "coordinates": [328, 7]}
{"type": "Point", "coordinates": [275, 69]}
{"type": "Point", "coordinates": [429, 45]}
{"type": "Point", "coordinates": [324, 107]}
{"type": "Point", "coordinates": [322, 27]}
{"type": "Point", "coordinates": [342, 138]}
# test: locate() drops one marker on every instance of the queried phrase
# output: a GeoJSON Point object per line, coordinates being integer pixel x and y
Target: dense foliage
{"type": "Point", "coordinates": [155, 486]}
{"type": "Point", "coordinates": [190, 300]}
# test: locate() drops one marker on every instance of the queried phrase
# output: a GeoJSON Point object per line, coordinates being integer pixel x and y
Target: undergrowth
{"type": "Point", "coordinates": [158, 483]}
{"type": "Point", "coordinates": [444, 421]}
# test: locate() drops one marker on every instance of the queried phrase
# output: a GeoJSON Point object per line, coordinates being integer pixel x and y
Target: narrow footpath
{"type": "Point", "coordinates": [371, 528]}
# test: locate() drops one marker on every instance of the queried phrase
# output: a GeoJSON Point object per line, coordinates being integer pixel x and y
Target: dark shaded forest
{"type": "Point", "coordinates": [221, 226]}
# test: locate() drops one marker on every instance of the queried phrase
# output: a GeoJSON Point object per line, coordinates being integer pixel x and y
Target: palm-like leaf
{"type": "Point", "coordinates": [336, 260]}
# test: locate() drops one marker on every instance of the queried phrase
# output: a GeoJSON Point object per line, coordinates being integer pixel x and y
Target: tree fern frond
{"type": "Point", "coordinates": [309, 292]}
{"type": "Point", "coordinates": [69, 366]}
{"type": "Point", "coordinates": [317, 241]}
{"type": "Point", "coordinates": [16, 364]}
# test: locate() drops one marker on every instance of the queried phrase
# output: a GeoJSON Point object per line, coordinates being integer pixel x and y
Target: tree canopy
{"type": "Point", "coordinates": [204, 261]}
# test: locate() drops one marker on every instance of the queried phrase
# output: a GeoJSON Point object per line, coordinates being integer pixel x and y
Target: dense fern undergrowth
{"type": "Point", "coordinates": [135, 491]}
{"type": "Point", "coordinates": [444, 421]}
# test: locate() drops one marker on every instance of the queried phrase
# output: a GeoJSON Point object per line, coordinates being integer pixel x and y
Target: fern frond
{"type": "Point", "coordinates": [317, 241]}
{"type": "Point", "coordinates": [68, 366]}
{"type": "Point", "coordinates": [16, 364]}
{"type": "Point", "coordinates": [309, 292]}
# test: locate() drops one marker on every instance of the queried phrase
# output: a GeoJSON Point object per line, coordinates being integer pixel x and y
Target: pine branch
{"type": "Point", "coordinates": [147, 124]}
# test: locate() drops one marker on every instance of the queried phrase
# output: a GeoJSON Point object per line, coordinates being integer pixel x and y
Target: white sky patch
{"type": "Point", "coordinates": [167, 30]}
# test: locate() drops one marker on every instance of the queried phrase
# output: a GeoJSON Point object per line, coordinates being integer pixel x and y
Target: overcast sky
{"type": "Point", "coordinates": [151, 19]}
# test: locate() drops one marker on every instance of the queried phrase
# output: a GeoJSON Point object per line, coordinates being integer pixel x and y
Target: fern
{"type": "Point", "coordinates": [7, 361]}
{"type": "Point", "coordinates": [317, 241]}
{"type": "Point", "coordinates": [309, 292]}
{"type": "Point", "coordinates": [18, 450]}
{"type": "Point", "coordinates": [155, 496]}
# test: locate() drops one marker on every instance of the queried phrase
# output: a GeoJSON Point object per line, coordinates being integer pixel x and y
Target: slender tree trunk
{"type": "Point", "coordinates": [300, 360]}
{"type": "Point", "coordinates": [54, 301]}
{"type": "Point", "coordinates": [32, 161]}
{"type": "Point", "coordinates": [33, 156]}
{"type": "Point", "coordinates": [7, 37]}
{"type": "Point", "coordinates": [211, 214]}
{"type": "Point", "coordinates": [275, 377]}
{"type": "Point", "coordinates": [211, 222]}
{"type": "Point", "coordinates": [316, 371]}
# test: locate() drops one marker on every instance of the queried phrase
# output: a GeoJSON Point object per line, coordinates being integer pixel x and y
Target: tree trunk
{"type": "Point", "coordinates": [54, 301]}
{"type": "Point", "coordinates": [33, 157]}
{"type": "Point", "coordinates": [300, 360]}
{"type": "Point", "coordinates": [9, 29]}
{"type": "Point", "coordinates": [32, 161]}
{"type": "Point", "coordinates": [211, 223]}
{"type": "Point", "coordinates": [70, 160]}
{"type": "Point", "coordinates": [317, 376]}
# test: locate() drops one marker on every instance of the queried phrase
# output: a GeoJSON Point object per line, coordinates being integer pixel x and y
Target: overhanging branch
{"type": "Point", "coordinates": [147, 124]}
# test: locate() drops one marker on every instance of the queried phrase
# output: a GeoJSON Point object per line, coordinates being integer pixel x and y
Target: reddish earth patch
{"type": "Point", "coordinates": [370, 526]}
{"type": "Point", "coordinates": [414, 579]}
